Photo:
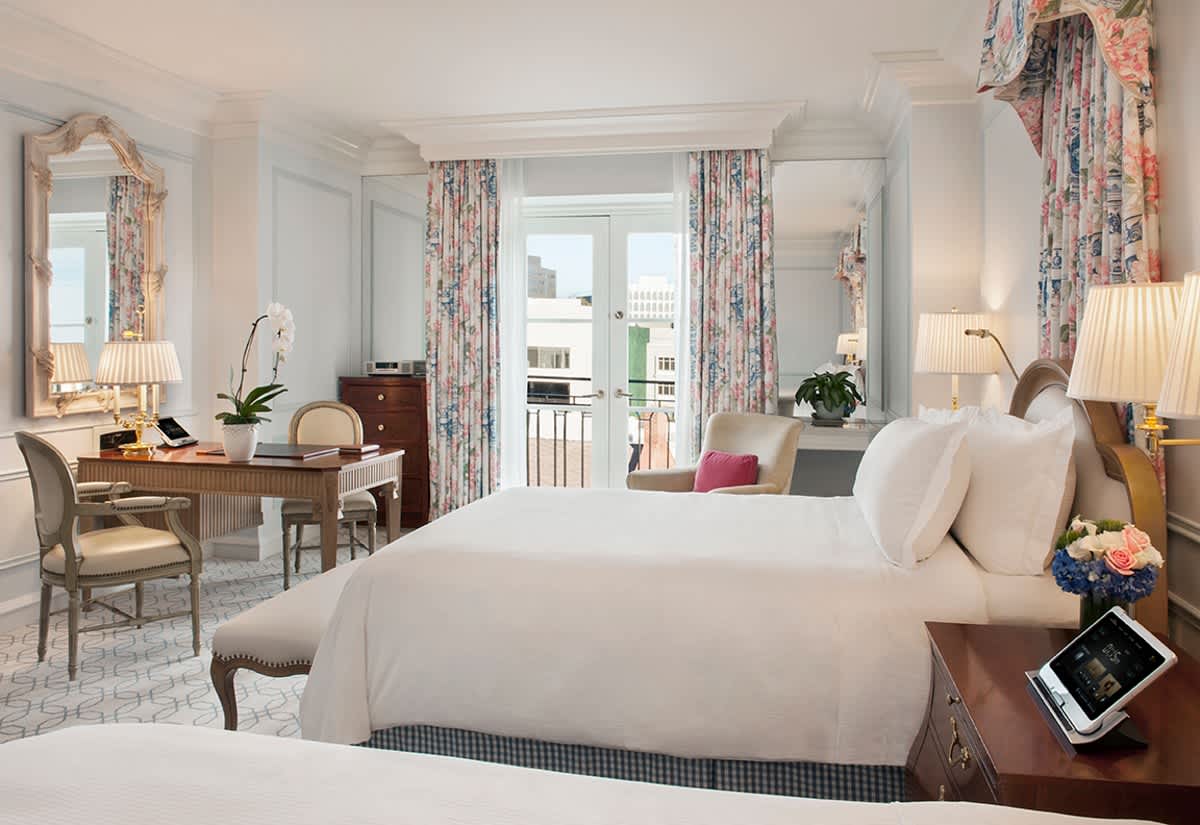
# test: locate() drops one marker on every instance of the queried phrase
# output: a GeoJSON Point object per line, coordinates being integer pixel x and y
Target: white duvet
{"type": "Point", "coordinates": [760, 627]}
{"type": "Point", "coordinates": [122, 774]}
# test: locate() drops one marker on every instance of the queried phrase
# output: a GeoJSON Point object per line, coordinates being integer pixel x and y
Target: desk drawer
{"type": "Point", "coordinates": [384, 397]}
{"type": "Point", "coordinates": [957, 741]}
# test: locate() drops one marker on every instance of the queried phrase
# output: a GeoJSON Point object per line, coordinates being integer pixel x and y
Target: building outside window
{"type": "Point", "coordinates": [549, 358]}
{"type": "Point", "coordinates": [666, 363]}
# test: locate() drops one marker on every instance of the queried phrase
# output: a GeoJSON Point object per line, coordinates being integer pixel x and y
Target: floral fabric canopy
{"type": "Point", "coordinates": [1015, 49]}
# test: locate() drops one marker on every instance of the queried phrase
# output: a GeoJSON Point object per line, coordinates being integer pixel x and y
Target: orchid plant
{"type": "Point", "coordinates": [249, 408]}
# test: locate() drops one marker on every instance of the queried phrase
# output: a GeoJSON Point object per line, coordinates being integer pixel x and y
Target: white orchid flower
{"type": "Point", "coordinates": [278, 315]}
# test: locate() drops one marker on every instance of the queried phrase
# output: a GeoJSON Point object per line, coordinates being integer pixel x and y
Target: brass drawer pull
{"type": "Point", "coordinates": [941, 793]}
{"type": "Point", "coordinates": [379, 427]}
{"type": "Point", "coordinates": [379, 397]}
{"type": "Point", "coordinates": [964, 755]}
{"type": "Point", "coordinates": [951, 699]}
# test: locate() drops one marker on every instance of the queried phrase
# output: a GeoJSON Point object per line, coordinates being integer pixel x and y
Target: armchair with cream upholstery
{"type": "Point", "coordinates": [129, 554]}
{"type": "Point", "coordinates": [326, 423]}
{"type": "Point", "coordinates": [770, 437]}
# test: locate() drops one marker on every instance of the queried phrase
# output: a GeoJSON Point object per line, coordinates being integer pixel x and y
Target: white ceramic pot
{"type": "Point", "coordinates": [240, 441]}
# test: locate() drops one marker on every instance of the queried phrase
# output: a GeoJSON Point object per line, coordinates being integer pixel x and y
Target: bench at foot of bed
{"type": "Point", "coordinates": [277, 637]}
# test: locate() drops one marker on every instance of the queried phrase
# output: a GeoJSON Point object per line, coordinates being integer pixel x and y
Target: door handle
{"type": "Point", "coordinates": [596, 394]}
{"type": "Point", "coordinates": [619, 314]}
{"type": "Point", "coordinates": [620, 393]}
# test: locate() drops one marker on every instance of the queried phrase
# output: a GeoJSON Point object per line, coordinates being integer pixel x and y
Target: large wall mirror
{"type": "Point", "coordinates": [94, 258]}
{"type": "Point", "coordinates": [828, 266]}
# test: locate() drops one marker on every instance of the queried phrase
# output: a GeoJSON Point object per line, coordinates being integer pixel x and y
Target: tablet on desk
{"type": "Point", "coordinates": [1102, 669]}
{"type": "Point", "coordinates": [174, 435]}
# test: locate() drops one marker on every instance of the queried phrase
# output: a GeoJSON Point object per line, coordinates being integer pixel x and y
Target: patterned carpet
{"type": "Point", "coordinates": [149, 675]}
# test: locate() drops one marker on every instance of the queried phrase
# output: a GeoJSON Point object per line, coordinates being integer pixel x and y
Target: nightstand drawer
{"type": "Point", "coordinates": [957, 740]}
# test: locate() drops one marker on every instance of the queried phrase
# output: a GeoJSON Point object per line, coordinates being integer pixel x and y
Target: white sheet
{"type": "Point", "coordinates": [743, 627]}
{"type": "Point", "coordinates": [123, 774]}
{"type": "Point", "coordinates": [1036, 600]}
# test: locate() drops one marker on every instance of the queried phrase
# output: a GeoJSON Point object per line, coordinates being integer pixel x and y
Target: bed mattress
{"type": "Point", "coordinates": [121, 774]}
{"type": "Point", "coordinates": [764, 627]}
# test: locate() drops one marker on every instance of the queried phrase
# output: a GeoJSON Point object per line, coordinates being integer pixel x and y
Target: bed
{"type": "Point", "coordinates": [120, 774]}
{"type": "Point", "coordinates": [743, 643]}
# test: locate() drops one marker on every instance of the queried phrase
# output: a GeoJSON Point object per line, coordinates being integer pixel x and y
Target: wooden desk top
{"type": "Point", "coordinates": [192, 456]}
{"type": "Point", "coordinates": [987, 664]}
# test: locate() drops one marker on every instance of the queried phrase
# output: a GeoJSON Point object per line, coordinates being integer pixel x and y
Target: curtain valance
{"type": "Point", "coordinates": [1016, 49]}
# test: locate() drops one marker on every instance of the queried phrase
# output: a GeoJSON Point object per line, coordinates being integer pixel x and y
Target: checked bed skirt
{"type": "Point", "coordinates": [817, 780]}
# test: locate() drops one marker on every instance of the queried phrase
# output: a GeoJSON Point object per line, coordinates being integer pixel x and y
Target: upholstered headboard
{"type": "Point", "coordinates": [1114, 479]}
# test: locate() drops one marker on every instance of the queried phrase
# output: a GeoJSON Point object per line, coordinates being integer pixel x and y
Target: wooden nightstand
{"type": "Point", "coordinates": [984, 739]}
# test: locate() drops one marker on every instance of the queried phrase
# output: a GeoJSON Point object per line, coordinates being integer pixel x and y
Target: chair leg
{"type": "Point", "coordinates": [195, 588]}
{"type": "Point", "coordinates": [222, 679]}
{"type": "Point", "coordinates": [371, 528]}
{"type": "Point", "coordinates": [72, 634]}
{"type": "Point", "coordinates": [87, 600]}
{"type": "Point", "coordinates": [139, 599]}
{"type": "Point", "coordinates": [287, 556]}
{"type": "Point", "coordinates": [44, 622]}
{"type": "Point", "coordinates": [299, 541]}
{"type": "Point", "coordinates": [353, 540]}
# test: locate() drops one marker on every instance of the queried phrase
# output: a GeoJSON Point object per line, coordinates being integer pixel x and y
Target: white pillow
{"type": "Point", "coordinates": [910, 484]}
{"type": "Point", "coordinates": [1021, 491]}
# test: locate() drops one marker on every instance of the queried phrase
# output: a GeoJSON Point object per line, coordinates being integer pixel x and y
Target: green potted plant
{"type": "Point", "coordinates": [239, 428]}
{"type": "Point", "coordinates": [832, 395]}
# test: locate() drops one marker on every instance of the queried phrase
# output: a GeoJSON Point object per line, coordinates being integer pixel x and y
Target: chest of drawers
{"type": "Point", "coordinates": [393, 412]}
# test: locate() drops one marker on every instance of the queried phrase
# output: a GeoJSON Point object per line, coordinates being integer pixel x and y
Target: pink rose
{"type": "Point", "coordinates": [1119, 560]}
{"type": "Point", "coordinates": [1136, 541]}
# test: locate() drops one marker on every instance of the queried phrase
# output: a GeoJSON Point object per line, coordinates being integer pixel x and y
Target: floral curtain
{"type": "Point", "coordinates": [851, 270]}
{"type": "Point", "coordinates": [732, 362]}
{"type": "Point", "coordinates": [126, 253]}
{"type": "Point", "coordinates": [1078, 74]}
{"type": "Point", "coordinates": [462, 332]}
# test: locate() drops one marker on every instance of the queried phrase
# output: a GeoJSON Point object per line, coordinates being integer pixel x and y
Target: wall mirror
{"type": "Point", "coordinates": [93, 258]}
{"type": "Point", "coordinates": [828, 256]}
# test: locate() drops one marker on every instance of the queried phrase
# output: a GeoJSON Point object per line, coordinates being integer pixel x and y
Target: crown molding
{"type": "Point", "coordinates": [39, 49]}
{"type": "Point", "coordinates": [394, 156]}
{"type": "Point", "coordinates": [901, 80]}
{"type": "Point", "coordinates": [597, 131]}
{"type": "Point", "coordinates": [266, 115]}
{"type": "Point", "coordinates": [828, 140]}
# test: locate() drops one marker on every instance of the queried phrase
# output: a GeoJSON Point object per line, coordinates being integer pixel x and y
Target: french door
{"type": "Point", "coordinates": [601, 346]}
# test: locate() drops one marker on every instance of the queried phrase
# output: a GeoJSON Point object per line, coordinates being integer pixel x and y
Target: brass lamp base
{"type": "Point", "coordinates": [1154, 428]}
{"type": "Point", "coordinates": [137, 448]}
{"type": "Point", "coordinates": [139, 424]}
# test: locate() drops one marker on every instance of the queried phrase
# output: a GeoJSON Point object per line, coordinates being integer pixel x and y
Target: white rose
{"type": "Point", "coordinates": [1110, 540]}
{"type": "Point", "coordinates": [1082, 525]}
{"type": "Point", "coordinates": [1080, 549]}
{"type": "Point", "coordinates": [1149, 556]}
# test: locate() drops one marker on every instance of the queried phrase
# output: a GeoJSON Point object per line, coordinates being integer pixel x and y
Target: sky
{"type": "Point", "coordinates": [650, 253]}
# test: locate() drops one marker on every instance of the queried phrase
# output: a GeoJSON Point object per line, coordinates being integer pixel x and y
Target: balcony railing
{"type": "Point", "coordinates": [558, 430]}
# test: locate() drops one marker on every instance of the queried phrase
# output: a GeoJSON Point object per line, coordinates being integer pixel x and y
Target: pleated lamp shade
{"type": "Point", "coordinates": [1121, 352]}
{"type": "Point", "coordinates": [1180, 396]}
{"type": "Point", "coordinates": [70, 364]}
{"type": "Point", "coordinates": [138, 362]}
{"type": "Point", "coordinates": [847, 344]}
{"type": "Point", "coordinates": [944, 348]}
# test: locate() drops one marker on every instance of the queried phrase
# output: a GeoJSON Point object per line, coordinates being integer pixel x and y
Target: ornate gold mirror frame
{"type": "Point", "coordinates": [39, 183]}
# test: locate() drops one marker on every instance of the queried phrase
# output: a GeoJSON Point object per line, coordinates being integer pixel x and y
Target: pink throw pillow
{"type": "Point", "coordinates": [718, 469]}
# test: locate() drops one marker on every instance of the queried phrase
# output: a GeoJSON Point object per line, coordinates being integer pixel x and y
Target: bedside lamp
{"type": "Point", "coordinates": [847, 345]}
{"type": "Point", "coordinates": [1121, 354]}
{"type": "Point", "coordinates": [944, 347]}
{"type": "Point", "coordinates": [1180, 396]}
{"type": "Point", "coordinates": [141, 364]}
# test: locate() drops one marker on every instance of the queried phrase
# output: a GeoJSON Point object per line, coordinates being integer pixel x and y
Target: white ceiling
{"type": "Point", "coordinates": [819, 200]}
{"type": "Point", "coordinates": [363, 63]}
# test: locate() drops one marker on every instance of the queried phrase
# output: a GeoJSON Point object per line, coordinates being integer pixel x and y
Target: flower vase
{"type": "Point", "coordinates": [240, 441]}
{"type": "Point", "coordinates": [1092, 606]}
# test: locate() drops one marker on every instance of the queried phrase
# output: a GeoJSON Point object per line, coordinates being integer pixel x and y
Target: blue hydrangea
{"type": "Point", "coordinates": [1093, 576]}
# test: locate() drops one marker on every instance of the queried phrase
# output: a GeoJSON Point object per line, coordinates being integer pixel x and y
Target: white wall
{"type": "Point", "coordinates": [947, 228]}
{"type": "Point", "coordinates": [1177, 22]}
{"type": "Point", "coordinates": [28, 106]}
{"type": "Point", "coordinates": [809, 306]}
{"type": "Point", "coordinates": [1008, 281]}
{"type": "Point", "coordinates": [393, 271]}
